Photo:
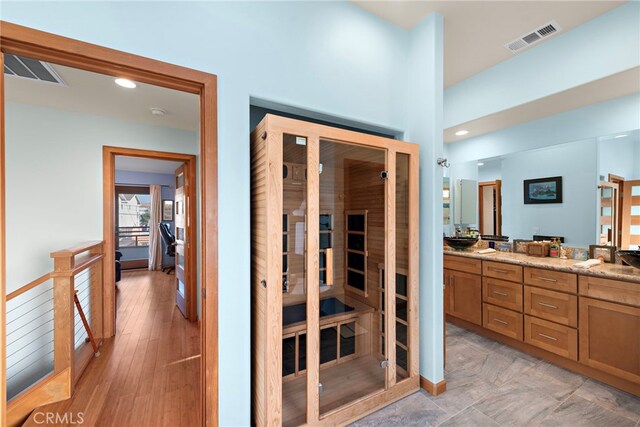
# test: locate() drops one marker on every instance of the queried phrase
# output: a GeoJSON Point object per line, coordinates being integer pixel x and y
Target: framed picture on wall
{"type": "Point", "coordinates": [543, 190]}
{"type": "Point", "coordinates": [167, 210]}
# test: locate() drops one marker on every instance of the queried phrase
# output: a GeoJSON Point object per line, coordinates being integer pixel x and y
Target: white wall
{"type": "Point", "coordinates": [54, 179]}
{"type": "Point", "coordinates": [575, 217]}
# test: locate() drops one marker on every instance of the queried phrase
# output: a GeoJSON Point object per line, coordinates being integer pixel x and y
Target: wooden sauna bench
{"type": "Point", "coordinates": [350, 330]}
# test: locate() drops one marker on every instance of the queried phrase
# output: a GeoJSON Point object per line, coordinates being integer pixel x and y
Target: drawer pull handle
{"type": "Point", "coordinates": [501, 321]}
{"type": "Point", "coordinates": [546, 279]}
{"type": "Point", "coordinates": [499, 270]}
{"type": "Point", "coordinates": [504, 294]}
{"type": "Point", "coordinates": [544, 304]}
{"type": "Point", "coordinates": [549, 337]}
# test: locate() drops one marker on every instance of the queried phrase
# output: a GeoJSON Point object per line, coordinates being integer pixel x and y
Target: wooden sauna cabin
{"type": "Point", "coordinates": [334, 272]}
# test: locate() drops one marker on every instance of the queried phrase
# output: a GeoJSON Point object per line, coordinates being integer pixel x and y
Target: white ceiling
{"type": "Point", "coordinates": [139, 164]}
{"type": "Point", "coordinates": [97, 94]}
{"type": "Point", "coordinates": [475, 32]}
{"type": "Point", "coordinates": [610, 87]}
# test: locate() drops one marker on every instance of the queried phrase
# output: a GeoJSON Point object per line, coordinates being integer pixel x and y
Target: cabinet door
{"type": "Point", "coordinates": [447, 287]}
{"type": "Point", "coordinates": [610, 337]}
{"type": "Point", "coordinates": [465, 296]}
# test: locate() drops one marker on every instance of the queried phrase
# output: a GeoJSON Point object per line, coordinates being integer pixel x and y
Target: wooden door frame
{"type": "Point", "coordinates": [275, 128]}
{"type": "Point", "coordinates": [616, 179]}
{"type": "Point", "coordinates": [109, 225]}
{"type": "Point", "coordinates": [74, 53]}
{"type": "Point", "coordinates": [498, 225]}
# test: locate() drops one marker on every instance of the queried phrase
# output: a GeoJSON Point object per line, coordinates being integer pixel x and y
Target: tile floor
{"type": "Point", "coordinates": [490, 384]}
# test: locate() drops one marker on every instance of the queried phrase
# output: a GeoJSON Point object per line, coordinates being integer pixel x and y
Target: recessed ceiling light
{"type": "Point", "coordinates": [158, 111]}
{"type": "Point", "coordinates": [125, 83]}
{"type": "Point", "coordinates": [480, 164]}
{"type": "Point", "coordinates": [462, 132]}
{"type": "Point", "coordinates": [621, 136]}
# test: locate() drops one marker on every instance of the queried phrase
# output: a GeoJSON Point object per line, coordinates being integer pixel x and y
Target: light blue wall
{"type": "Point", "coordinates": [605, 118]}
{"type": "Point", "coordinates": [328, 57]}
{"type": "Point", "coordinates": [64, 150]}
{"type": "Point", "coordinates": [490, 171]}
{"type": "Point", "coordinates": [574, 218]}
{"type": "Point", "coordinates": [168, 192]}
{"type": "Point", "coordinates": [620, 156]}
{"type": "Point", "coordinates": [606, 45]}
{"type": "Point", "coordinates": [425, 85]}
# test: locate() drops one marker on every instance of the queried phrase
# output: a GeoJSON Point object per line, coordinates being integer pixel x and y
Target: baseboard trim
{"type": "Point", "coordinates": [431, 388]}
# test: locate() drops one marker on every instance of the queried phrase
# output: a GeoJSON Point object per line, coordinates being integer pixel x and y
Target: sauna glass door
{"type": "Point", "coordinates": [352, 227]}
{"type": "Point", "coordinates": [294, 280]}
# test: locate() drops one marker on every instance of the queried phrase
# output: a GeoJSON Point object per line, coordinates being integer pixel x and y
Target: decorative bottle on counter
{"type": "Point", "coordinates": [554, 249]}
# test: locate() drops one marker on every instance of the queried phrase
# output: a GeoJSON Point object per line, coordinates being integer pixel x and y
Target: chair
{"type": "Point", "coordinates": [118, 266]}
{"type": "Point", "coordinates": [170, 242]}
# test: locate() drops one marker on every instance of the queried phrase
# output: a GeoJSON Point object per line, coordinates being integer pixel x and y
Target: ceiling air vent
{"type": "Point", "coordinates": [28, 68]}
{"type": "Point", "coordinates": [533, 37]}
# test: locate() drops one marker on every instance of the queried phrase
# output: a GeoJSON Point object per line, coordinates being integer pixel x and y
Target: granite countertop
{"type": "Point", "coordinates": [607, 271]}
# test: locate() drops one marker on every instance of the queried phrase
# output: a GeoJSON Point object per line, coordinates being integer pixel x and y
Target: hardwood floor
{"type": "Point", "coordinates": [149, 373]}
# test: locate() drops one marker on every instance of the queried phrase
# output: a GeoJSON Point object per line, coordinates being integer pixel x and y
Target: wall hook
{"type": "Point", "coordinates": [442, 162]}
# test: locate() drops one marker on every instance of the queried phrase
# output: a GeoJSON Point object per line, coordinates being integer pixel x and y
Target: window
{"type": "Point", "coordinates": [133, 212]}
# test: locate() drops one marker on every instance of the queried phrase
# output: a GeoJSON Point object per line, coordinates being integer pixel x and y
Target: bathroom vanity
{"type": "Point", "coordinates": [334, 273]}
{"type": "Point", "coordinates": [587, 321]}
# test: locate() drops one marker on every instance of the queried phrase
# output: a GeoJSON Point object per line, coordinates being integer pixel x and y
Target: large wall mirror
{"type": "Point", "coordinates": [599, 192]}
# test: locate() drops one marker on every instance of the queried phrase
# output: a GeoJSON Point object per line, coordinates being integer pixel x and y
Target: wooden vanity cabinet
{"type": "Point", "coordinates": [591, 324]}
{"type": "Point", "coordinates": [551, 311]}
{"type": "Point", "coordinates": [610, 330]}
{"type": "Point", "coordinates": [464, 295]}
{"type": "Point", "coordinates": [502, 298]}
{"type": "Point", "coordinates": [463, 288]}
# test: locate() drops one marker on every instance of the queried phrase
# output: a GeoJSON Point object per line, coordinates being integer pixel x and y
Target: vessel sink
{"type": "Point", "coordinates": [460, 243]}
{"type": "Point", "coordinates": [495, 238]}
{"type": "Point", "coordinates": [630, 257]}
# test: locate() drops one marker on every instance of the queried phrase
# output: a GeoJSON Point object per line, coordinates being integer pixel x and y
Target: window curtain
{"type": "Point", "coordinates": [155, 240]}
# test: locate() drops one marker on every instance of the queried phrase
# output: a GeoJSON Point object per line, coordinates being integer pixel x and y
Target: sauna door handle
{"type": "Point", "coordinates": [328, 253]}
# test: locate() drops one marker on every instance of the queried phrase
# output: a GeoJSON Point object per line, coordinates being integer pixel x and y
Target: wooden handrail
{"type": "Point", "coordinates": [79, 268]}
{"type": "Point", "coordinates": [29, 286]}
{"type": "Point", "coordinates": [75, 250]}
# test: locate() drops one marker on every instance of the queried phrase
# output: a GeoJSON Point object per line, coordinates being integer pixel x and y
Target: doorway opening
{"type": "Point", "coordinates": [490, 207]}
{"type": "Point", "coordinates": [29, 43]}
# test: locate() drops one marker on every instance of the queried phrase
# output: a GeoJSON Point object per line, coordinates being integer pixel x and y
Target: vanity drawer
{"type": "Point", "coordinates": [550, 279]}
{"type": "Point", "coordinates": [502, 293]}
{"type": "Point", "coordinates": [555, 306]}
{"type": "Point", "coordinates": [502, 321]}
{"type": "Point", "coordinates": [610, 290]}
{"type": "Point", "coordinates": [467, 265]}
{"type": "Point", "coordinates": [552, 337]}
{"type": "Point", "coordinates": [500, 270]}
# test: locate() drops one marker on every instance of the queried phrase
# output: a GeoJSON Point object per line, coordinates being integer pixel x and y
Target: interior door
{"type": "Point", "coordinates": [490, 200]}
{"type": "Point", "coordinates": [631, 215]}
{"type": "Point", "coordinates": [181, 223]}
{"type": "Point", "coordinates": [608, 214]}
